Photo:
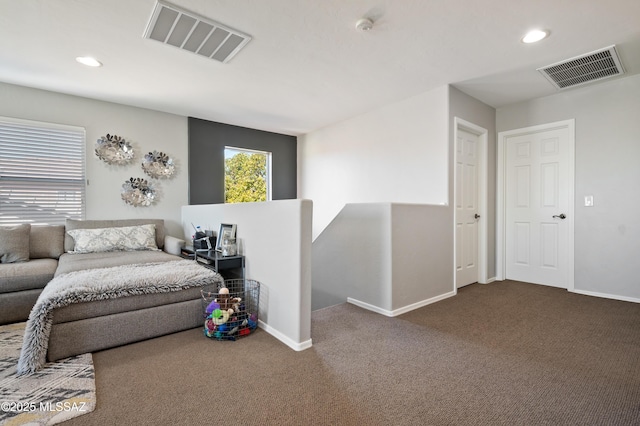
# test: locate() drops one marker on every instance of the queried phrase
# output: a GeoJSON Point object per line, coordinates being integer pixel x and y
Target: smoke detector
{"type": "Point", "coordinates": [590, 67]}
{"type": "Point", "coordinates": [364, 24]}
{"type": "Point", "coordinates": [185, 30]}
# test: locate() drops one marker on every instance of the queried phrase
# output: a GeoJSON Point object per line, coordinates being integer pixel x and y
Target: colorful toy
{"type": "Point", "coordinates": [209, 327]}
{"type": "Point", "coordinates": [212, 306]}
{"type": "Point", "coordinates": [221, 318]}
{"type": "Point", "coordinates": [227, 303]}
{"type": "Point", "coordinates": [227, 317]}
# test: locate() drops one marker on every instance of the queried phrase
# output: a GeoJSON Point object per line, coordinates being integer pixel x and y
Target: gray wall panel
{"type": "Point", "coordinates": [207, 140]}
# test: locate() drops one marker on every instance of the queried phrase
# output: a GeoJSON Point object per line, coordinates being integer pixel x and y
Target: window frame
{"type": "Point", "coordinates": [268, 162]}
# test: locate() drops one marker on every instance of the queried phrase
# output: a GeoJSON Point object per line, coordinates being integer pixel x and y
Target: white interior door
{"type": "Point", "coordinates": [538, 206]}
{"type": "Point", "coordinates": [467, 208]}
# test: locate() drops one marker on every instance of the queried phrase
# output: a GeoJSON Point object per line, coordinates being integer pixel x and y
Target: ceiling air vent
{"type": "Point", "coordinates": [583, 69]}
{"type": "Point", "coordinates": [177, 27]}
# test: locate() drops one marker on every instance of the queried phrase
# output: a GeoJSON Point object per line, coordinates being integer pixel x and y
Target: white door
{"type": "Point", "coordinates": [538, 206]}
{"type": "Point", "coordinates": [467, 210]}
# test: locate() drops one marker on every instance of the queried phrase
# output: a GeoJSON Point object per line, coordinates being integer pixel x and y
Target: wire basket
{"type": "Point", "coordinates": [231, 312]}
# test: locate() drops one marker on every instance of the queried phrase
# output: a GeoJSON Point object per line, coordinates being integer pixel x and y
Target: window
{"type": "Point", "coordinates": [247, 175]}
{"type": "Point", "coordinates": [42, 172]}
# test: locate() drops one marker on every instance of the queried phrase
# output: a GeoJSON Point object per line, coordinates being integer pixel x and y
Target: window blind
{"type": "Point", "coordinates": [42, 172]}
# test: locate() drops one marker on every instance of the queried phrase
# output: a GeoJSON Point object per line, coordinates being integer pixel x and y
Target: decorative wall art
{"type": "Point", "coordinates": [138, 192]}
{"type": "Point", "coordinates": [114, 149]}
{"type": "Point", "coordinates": [158, 165]}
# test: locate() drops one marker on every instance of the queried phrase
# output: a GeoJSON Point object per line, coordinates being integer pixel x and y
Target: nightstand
{"type": "Point", "coordinates": [230, 267]}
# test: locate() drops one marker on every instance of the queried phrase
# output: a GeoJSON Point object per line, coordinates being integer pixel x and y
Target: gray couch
{"type": "Point", "coordinates": [120, 321]}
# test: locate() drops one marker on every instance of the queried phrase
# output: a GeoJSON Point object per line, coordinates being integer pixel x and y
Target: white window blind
{"type": "Point", "coordinates": [42, 172]}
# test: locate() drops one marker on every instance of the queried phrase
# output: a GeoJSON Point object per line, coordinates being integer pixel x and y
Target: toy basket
{"type": "Point", "coordinates": [231, 312]}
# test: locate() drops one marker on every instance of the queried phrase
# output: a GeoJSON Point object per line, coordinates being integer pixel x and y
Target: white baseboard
{"type": "Point", "coordinates": [284, 339]}
{"type": "Point", "coordinates": [606, 296]}
{"type": "Point", "coordinates": [402, 310]}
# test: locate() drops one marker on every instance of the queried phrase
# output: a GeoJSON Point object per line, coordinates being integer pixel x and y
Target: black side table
{"type": "Point", "coordinates": [230, 267]}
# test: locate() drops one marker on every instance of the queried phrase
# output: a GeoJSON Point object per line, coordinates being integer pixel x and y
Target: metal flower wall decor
{"type": "Point", "coordinates": [138, 192]}
{"type": "Point", "coordinates": [114, 149]}
{"type": "Point", "coordinates": [158, 165]}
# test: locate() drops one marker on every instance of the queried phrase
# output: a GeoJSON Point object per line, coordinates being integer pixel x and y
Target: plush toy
{"type": "Point", "coordinates": [209, 327]}
{"type": "Point", "coordinates": [218, 316]}
{"type": "Point", "coordinates": [227, 317]}
{"type": "Point", "coordinates": [211, 307]}
{"type": "Point", "coordinates": [227, 303]}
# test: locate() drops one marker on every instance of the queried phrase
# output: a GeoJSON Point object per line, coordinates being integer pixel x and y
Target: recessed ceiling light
{"type": "Point", "coordinates": [534, 36]}
{"type": "Point", "coordinates": [89, 61]}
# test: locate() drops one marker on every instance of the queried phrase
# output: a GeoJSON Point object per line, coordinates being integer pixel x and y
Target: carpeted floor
{"type": "Point", "coordinates": [506, 353]}
{"type": "Point", "coordinates": [59, 391]}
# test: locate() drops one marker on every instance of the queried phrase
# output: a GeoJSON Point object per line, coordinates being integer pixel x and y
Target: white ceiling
{"type": "Point", "coordinates": [306, 66]}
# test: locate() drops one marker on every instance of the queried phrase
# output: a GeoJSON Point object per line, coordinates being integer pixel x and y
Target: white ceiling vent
{"type": "Point", "coordinates": [583, 69]}
{"type": "Point", "coordinates": [177, 27]}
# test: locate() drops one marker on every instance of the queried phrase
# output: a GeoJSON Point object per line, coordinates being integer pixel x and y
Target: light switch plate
{"type": "Point", "coordinates": [588, 201]}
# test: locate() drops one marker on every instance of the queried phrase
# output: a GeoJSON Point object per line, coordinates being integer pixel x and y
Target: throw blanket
{"type": "Point", "coordinates": [101, 284]}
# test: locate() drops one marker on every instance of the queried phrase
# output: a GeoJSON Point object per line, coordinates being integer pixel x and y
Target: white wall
{"type": "Point", "coordinates": [275, 238]}
{"type": "Point", "coordinates": [607, 235]}
{"type": "Point", "coordinates": [397, 153]}
{"type": "Point", "coordinates": [146, 130]}
{"type": "Point", "coordinates": [386, 257]}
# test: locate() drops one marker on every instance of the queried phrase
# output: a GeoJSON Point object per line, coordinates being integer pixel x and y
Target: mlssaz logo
{"type": "Point", "coordinates": [63, 406]}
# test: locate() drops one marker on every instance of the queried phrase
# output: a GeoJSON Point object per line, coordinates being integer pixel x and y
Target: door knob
{"type": "Point", "coordinates": [477, 216]}
{"type": "Point", "coordinates": [561, 216]}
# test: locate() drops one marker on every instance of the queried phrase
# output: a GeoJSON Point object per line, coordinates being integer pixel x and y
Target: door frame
{"type": "Point", "coordinates": [501, 233]}
{"type": "Point", "coordinates": [483, 137]}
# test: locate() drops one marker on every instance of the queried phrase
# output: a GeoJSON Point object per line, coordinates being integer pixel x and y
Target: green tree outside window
{"type": "Point", "coordinates": [246, 177]}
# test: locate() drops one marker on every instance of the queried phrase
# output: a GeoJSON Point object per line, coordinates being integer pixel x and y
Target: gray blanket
{"type": "Point", "coordinates": [102, 284]}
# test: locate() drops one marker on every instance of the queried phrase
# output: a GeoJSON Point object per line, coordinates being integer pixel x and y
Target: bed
{"type": "Point", "coordinates": [100, 300]}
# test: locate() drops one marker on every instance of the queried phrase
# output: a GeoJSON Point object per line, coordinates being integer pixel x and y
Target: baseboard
{"type": "Point", "coordinates": [606, 296]}
{"type": "Point", "coordinates": [284, 339]}
{"type": "Point", "coordinates": [402, 310]}
{"type": "Point", "coordinates": [369, 307]}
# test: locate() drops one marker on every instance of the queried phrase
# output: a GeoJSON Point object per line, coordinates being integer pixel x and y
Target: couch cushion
{"type": "Point", "coordinates": [92, 224]}
{"type": "Point", "coordinates": [17, 305]}
{"type": "Point", "coordinates": [46, 241]}
{"type": "Point", "coordinates": [98, 308]}
{"type": "Point", "coordinates": [70, 262]}
{"type": "Point", "coordinates": [124, 238]}
{"type": "Point", "coordinates": [14, 243]}
{"type": "Point", "coordinates": [33, 274]}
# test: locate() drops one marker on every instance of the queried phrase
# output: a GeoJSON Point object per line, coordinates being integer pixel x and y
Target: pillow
{"type": "Point", "coordinates": [46, 242]}
{"type": "Point", "coordinates": [125, 238]}
{"type": "Point", "coordinates": [106, 223]}
{"type": "Point", "coordinates": [14, 243]}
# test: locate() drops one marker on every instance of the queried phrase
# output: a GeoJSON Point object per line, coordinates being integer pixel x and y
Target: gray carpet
{"type": "Point", "coordinates": [506, 353]}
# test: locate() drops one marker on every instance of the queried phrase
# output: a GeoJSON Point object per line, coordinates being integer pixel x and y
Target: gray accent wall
{"type": "Point", "coordinates": [207, 140]}
{"type": "Point", "coordinates": [607, 150]}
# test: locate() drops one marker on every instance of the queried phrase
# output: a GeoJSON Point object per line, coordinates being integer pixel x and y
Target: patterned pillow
{"type": "Point", "coordinates": [125, 238]}
{"type": "Point", "coordinates": [14, 243]}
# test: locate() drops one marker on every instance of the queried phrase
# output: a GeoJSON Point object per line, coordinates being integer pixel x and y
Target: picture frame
{"type": "Point", "coordinates": [227, 230]}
